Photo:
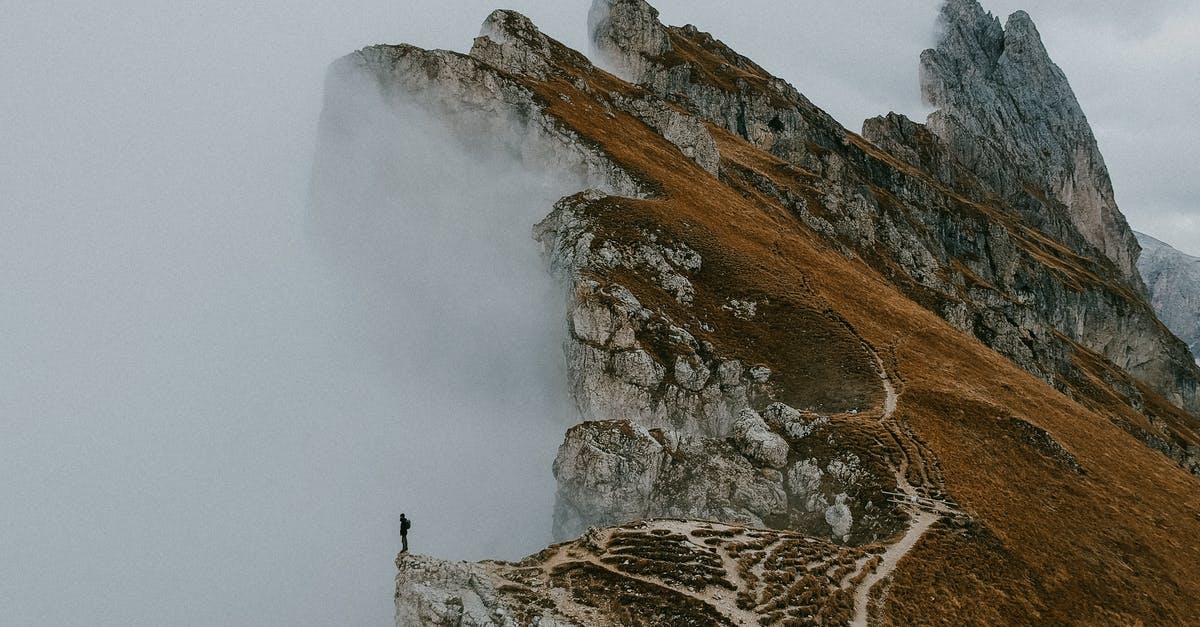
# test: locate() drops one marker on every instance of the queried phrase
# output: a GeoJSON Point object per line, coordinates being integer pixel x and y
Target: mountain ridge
{"type": "Point", "coordinates": [818, 333]}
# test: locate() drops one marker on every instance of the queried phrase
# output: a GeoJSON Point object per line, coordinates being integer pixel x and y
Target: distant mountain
{"type": "Point", "coordinates": [1173, 281]}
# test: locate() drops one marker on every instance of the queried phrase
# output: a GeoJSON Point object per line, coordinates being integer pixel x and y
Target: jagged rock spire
{"type": "Point", "coordinates": [625, 33]}
{"type": "Point", "coordinates": [1007, 111]}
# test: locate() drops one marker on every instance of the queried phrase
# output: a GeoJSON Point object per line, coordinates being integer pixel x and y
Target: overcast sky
{"type": "Point", "coordinates": [194, 431]}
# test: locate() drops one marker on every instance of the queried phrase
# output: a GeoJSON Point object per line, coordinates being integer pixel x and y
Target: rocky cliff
{"type": "Point", "coordinates": [853, 371]}
{"type": "Point", "coordinates": [1007, 113]}
{"type": "Point", "coordinates": [1173, 282]}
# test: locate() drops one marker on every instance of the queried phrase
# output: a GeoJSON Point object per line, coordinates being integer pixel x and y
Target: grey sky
{"type": "Point", "coordinates": [194, 429]}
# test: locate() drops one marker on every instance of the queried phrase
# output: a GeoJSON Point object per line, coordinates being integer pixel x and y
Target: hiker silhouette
{"type": "Point", "coordinates": [405, 523]}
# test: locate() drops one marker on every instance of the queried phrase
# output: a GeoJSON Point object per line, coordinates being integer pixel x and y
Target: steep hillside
{"type": "Point", "coordinates": [1173, 282]}
{"type": "Point", "coordinates": [859, 382]}
{"type": "Point", "coordinates": [969, 249]}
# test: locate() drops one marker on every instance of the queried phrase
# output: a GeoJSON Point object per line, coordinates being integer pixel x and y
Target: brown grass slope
{"type": "Point", "coordinates": [1112, 543]}
{"type": "Point", "coordinates": [961, 211]}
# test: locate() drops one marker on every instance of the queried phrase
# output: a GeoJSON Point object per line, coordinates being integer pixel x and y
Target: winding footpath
{"type": "Point", "coordinates": [923, 512]}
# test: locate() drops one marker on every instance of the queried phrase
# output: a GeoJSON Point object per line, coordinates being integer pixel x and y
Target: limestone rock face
{"type": "Point", "coordinates": [614, 471]}
{"type": "Point", "coordinates": [626, 34]}
{"type": "Point", "coordinates": [626, 361]}
{"type": "Point", "coordinates": [1173, 281]}
{"type": "Point", "coordinates": [451, 594]}
{"type": "Point", "coordinates": [1007, 112]}
{"type": "Point", "coordinates": [607, 473]}
{"type": "Point", "coordinates": [740, 96]}
{"type": "Point", "coordinates": [509, 41]}
{"type": "Point", "coordinates": [757, 442]}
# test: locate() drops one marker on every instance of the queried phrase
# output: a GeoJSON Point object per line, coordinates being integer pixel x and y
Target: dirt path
{"type": "Point", "coordinates": [922, 512]}
{"type": "Point", "coordinates": [891, 398]}
{"type": "Point", "coordinates": [862, 596]}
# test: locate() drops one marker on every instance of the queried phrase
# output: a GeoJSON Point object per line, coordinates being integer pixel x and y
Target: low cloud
{"type": "Point", "coordinates": [429, 238]}
{"type": "Point", "coordinates": [206, 420]}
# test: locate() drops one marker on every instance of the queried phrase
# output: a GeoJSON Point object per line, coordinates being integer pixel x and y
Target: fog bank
{"type": "Point", "coordinates": [427, 231]}
{"type": "Point", "coordinates": [199, 425]}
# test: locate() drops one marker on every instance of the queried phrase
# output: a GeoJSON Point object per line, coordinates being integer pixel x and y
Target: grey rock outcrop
{"type": "Point", "coordinates": [627, 35]}
{"type": "Point", "coordinates": [450, 594]}
{"type": "Point", "coordinates": [614, 471]}
{"type": "Point", "coordinates": [1173, 281]}
{"type": "Point", "coordinates": [509, 41]}
{"type": "Point", "coordinates": [478, 97]}
{"type": "Point", "coordinates": [736, 94]}
{"type": "Point", "coordinates": [615, 371]}
{"type": "Point", "coordinates": [1007, 112]}
{"type": "Point", "coordinates": [606, 473]}
{"type": "Point", "coordinates": [757, 442]}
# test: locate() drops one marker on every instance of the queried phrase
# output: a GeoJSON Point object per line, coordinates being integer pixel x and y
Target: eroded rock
{"type": "Point", "coordinates": [609, 471]}
{"type": "Point", "coordinates": [1007, 111]}
{"type": "Point", "coordinates": [757, 442]}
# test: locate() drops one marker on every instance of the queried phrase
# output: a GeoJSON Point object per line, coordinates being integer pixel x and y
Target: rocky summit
{"type": "Point", "coordinates": [1006, 112]}
{"type": "Point", "coordinates": [909, 375]}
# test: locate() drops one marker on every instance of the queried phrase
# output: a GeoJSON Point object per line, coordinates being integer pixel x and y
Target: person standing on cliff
{"type": "Point", "coordinates": [404, 525]}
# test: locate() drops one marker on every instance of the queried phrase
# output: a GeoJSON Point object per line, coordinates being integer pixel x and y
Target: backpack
{"type": "Point", "coordinates": [406, 524]}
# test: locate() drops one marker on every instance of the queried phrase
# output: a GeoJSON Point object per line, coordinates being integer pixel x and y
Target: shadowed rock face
{"type": "Point", "coordinates": [1173, 281]}
{"type": "Point", "coordinates": [1007, 112]}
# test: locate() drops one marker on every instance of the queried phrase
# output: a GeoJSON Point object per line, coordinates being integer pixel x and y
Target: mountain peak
{"type": "Point", "coordinates": [510, 41]}
{"type": "Point", "coordinates": [1006, 110]}
{"type": "Point", "coordinates": [625, 33]}
{"type": "Point", "coordinates": [1173, 282]}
